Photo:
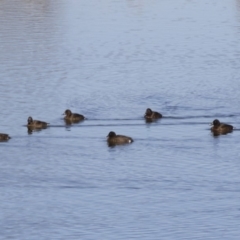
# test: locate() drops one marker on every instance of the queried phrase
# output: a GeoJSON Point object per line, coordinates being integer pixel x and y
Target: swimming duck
{"type": "Point", "coordinates": [36, 124]}
{"type": "Point", "coordinates": [74, 117]}
{"type": "Point", "coordinates": [114, 139]}
{"type": "Point", "coordinates": [151, 115]}
{"type": "Point", "coordinates": [220, 128]}
{"type": "Point", "coordinates": [4, 137]}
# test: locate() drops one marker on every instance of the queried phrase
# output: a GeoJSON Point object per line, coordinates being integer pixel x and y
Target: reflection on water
{"type": "Point", "coordinates": [110, 61]}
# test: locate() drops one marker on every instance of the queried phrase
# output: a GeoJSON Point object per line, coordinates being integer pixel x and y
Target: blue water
{"type": "Point", "coordinates": [110, 60]}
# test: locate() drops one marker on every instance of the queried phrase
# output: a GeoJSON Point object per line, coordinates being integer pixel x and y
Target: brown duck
{"type": "Point", "coordinates": [4, 137]}
{"type": "Point", "coordinates": [220, 128]}
{"type": "Point", "coordinates": [74, 117]}
{"type": "Point", "coordinates": [36, 124]}
{"type": "Point", "coordinates": [114, 139]}
{"type": "Point", "coordinates": [151, 115]}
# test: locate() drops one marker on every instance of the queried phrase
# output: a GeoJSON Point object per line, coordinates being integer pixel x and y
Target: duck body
{"type": "Point", "coordinates": [73, 117]}
{"type": "Point", "coordinates": [151, 115]}
{"type": "Point", "coordinates": [36, 124]}
{"type": "Point", "coordinates": [114, 139]}
{"type": "Point", "coordinates": [220, 128]}
{"type": "Point", "coordinates": [4, 137]}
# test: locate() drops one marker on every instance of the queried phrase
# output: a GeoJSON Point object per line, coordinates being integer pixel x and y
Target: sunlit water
{"type": "Point", "coordinates": [110, 60]}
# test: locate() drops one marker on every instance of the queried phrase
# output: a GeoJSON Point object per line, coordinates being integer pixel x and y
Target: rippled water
{"type": "Point", "coordinates": [110, 60]}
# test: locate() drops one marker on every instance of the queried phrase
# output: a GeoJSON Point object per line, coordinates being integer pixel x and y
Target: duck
{"type": "Point", "coordinates": [4, 137]}
{"type": "Point", "coordinates": [220, 128]}
{"type": "Point", "coordinates": [151, 115]}
{"type": "Point", "coordinates": [36, 124]}
{"type": "Point", "coordinates": [114, 139]}
{"type": "Point", "coordinates": [72, 117]}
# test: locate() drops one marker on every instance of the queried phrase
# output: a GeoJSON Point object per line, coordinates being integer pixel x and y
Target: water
{"type": "Point", "coordinates": [110, 60]}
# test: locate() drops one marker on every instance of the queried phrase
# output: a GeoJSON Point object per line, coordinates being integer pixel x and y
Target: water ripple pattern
{"type": "Point", "coordinates": [110, 60]}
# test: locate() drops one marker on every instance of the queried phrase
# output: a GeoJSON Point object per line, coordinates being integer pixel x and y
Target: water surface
{"type": "Point", "coordinates": [110, 60]}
